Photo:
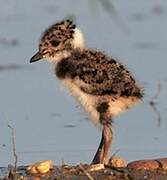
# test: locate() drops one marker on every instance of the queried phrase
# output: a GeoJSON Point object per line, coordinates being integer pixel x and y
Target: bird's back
{"type": "Point", "coordinates": [98, 74]}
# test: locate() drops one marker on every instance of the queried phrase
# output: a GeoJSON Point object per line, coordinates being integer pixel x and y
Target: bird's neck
{"type": "Point", "coordinates": [67, 54]}
{"type": "Point", "coordinates": [78, 40]}
{"type": "Point", "coordinates": [77, 45]}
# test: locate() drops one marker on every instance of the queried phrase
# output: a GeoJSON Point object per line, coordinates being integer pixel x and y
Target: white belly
{"type": "Point", "coordinates": [87, 101]}
{"type": "Point", "coordinates": [90, 102]}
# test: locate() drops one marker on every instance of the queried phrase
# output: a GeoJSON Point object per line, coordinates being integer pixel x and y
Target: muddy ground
{"type": "Point", "coordinates": [137, 170]}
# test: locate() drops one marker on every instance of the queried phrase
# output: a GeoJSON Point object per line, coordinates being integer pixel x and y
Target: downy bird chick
{"type": "Point", "coordinates": [102, 85]}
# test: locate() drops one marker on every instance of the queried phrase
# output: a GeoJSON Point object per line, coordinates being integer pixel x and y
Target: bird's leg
{"type": "Point", "coordinates": [107, 133]}
{"type": "Point", "coordinates": [101, 155]}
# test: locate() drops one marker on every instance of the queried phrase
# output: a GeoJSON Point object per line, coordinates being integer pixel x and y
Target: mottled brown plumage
{"type": "Point", "coordinates": [102, 85]}
{"type": "Point", "coordinates": [101, 74]}
{"type": "Point", "coordinates": [58, 38]}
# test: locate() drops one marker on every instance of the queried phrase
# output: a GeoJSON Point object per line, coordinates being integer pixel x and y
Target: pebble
{"type": "Point", "coordinates": [41, 167]}
{"type": "Point", "coordinates": [149, 164]}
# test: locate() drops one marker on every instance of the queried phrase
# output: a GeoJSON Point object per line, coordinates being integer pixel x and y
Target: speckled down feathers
{"type": "Point", "coordinates": [60, 31]}
{"type": "Point", "coordinates": [102, 85]}
{"type": "Point", "coordinates": [98, 74]}
{"type": "Point", "coordinates": [57, 38]}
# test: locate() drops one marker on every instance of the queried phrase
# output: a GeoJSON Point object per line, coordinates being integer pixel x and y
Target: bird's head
{"type": "Point", "coordinates": [58, 42]}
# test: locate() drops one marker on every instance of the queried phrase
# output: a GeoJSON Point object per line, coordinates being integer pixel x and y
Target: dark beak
{"type": "Point", "coordinates": [36, 57]}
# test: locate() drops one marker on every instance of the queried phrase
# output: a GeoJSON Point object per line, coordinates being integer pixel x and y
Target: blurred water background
{"type": "Point", "coordinates": [48, 123]}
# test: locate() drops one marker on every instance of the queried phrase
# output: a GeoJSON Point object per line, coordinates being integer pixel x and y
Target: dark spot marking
{"type": "Point", "coordinates": [73, 26]}
{"type": "Point", "coordinates": [55, 43]}
{"type": "Point", "coordinates": [69, 21]}
{"type": "Point", "coordinates": [108, 92]}
{"type": "Point", "coordinates": [65, 68]}
{"type": "Point", "coordinates": [121, 66]}
{"type": "Point", "coordinates": [102, 108]}
{"type": "Point", "coordinates": [138, 94]}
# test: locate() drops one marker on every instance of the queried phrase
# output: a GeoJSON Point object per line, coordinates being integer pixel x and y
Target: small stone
{"type": "Point", "coordinates": [116, 161]}
{"type": "Point", "coordinates": [41, 167]}
{"type": "Point", "coordinates": [144, 164]}
{"type": "Point", "coordinates": [96, 167]}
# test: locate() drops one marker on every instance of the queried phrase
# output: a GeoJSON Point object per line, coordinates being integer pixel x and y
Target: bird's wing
{"type": "Point", "coordinates": [98, 74]}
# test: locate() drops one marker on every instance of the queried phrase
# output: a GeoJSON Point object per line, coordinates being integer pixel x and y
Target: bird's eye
{"type": "Point", "coordinates": [55, 43]}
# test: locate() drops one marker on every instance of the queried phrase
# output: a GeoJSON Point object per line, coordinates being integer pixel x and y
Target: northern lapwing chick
{"type": "Point", "coordinates": [102, 85]}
